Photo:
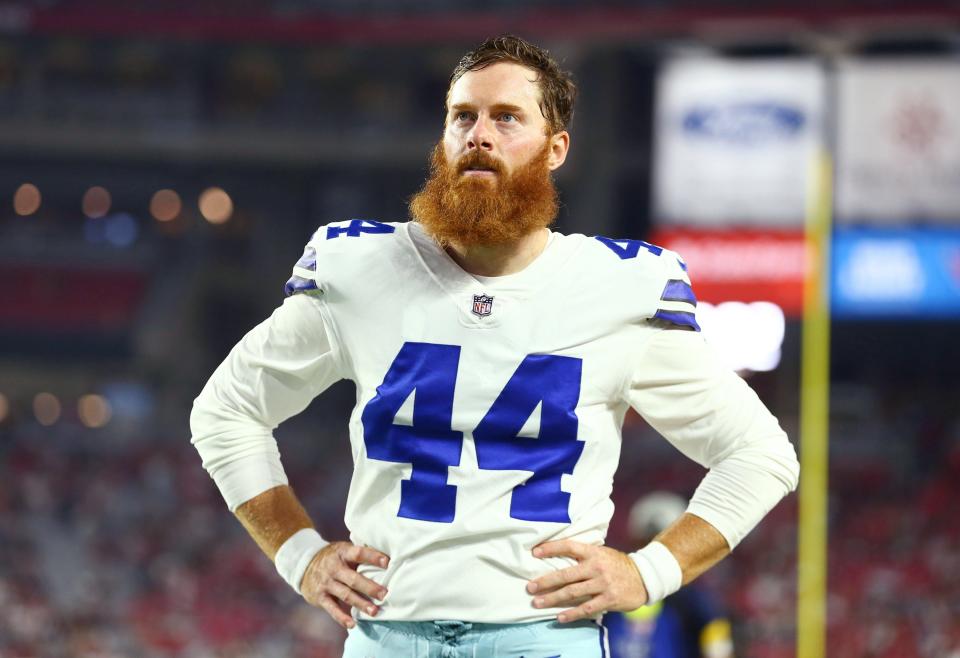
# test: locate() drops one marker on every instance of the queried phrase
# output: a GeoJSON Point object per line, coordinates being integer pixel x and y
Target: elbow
{"type": "Point", "coordinates": [781, 461]}
{"type": "Point", "coordinates": [201, 419]}
{"type": "Point", "coordinates": [783, 458]}
{"type": "Point", "coordinates": [794, 468]}
{"type": "Point", "coordinates": [773, 454]}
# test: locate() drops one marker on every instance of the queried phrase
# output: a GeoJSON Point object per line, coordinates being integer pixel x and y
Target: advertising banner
{"type": "Point", "coordinates": [898, 141]}
{"type": "Point", "coordinates": [896, 273]}
{"type": "Point", "coordinates": [881, 273]}
{"type": "Point", "coordinates": [735, 141]}
{"type": "Point", "coordinates": [742, 266]}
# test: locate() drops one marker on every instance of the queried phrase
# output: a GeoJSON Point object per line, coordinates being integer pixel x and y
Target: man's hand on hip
{"type": "Point", "coordinates": [603, 579]}
{"type": "Point", "coordinates": [331, 581]}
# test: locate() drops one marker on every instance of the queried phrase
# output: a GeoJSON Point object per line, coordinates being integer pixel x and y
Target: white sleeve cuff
{"type": "Point", "coordinates": [247, 477]}
{"type": "Point", "coordinates": [295, 555]}
{"type": "Point", "coordinates": [739, 491]}
{"type": "Point", "coordinates": [659, 570]}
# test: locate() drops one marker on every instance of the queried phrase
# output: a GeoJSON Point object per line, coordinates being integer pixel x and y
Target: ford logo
{"type": "Point", "coordinates": [744, 123]}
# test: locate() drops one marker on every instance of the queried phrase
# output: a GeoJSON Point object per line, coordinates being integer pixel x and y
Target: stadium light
{"type": "Point", "coordinates": [26, 200]}
{"type": "Point", "coordinates": [94, 411]}
{"type": "Point", "coordinates": [46, 408]}
{"type": "Point", "coordinates": [96, 202]}
{"type": "Point", "coordinates": [121, 230]}
{"type": "Point", "coordinates": [165, 205]}
{"type": "Point", "coordinates": [216, 206]}
{"type": "Point", "coordinates": [746, 336]}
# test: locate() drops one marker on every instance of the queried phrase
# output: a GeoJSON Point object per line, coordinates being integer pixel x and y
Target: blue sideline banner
{"type": "Point", "coordinates": [910, 273]}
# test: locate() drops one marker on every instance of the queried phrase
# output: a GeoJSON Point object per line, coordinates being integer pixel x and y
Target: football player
{"type": "Point", "coordinates": [686, 624]}
{"type": "Point", "coordinates": [494, 360]}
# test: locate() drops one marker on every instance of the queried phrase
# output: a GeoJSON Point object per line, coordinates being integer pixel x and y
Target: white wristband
{"type": "Point", "coordinates": [660, 571]}
{"type": "Point", "coordinates": [295, 555]}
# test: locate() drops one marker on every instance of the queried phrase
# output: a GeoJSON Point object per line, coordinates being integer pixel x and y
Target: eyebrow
{"type": "Point", "coordinates": [501, 107]}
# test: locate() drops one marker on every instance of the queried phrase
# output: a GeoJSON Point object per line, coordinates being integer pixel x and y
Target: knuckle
{"type": "Point", "coordinates": [343, 592]}
{"type": "Point", "coordinates": [349, 577]}
{"type": "Point", "coordinates": [342, 573]}
{"type": "Point", "coordinates": [362, 586]}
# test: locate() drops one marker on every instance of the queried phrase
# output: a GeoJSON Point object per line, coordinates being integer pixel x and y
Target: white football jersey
{"type": "Point", "coordinates": [489, 409]}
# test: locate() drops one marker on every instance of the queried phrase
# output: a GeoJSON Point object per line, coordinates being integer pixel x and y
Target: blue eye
{"type": "Point", "coordinates": [509, 118]}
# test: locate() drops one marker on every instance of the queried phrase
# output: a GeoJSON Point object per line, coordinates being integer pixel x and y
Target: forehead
{"type": "Point", "coordinates": [500, 83]}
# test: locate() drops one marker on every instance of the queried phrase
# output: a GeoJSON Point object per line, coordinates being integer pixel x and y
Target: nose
{"type": "Point", "coordinates": [480, 135]}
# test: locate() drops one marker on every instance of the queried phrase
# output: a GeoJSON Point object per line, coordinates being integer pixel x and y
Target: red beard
{"type": "Point", "coordinates": [472, 211]}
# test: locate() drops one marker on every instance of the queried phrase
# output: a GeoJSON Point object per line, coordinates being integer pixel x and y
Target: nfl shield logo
{"type": "Point", "coordinates": [482, 305]}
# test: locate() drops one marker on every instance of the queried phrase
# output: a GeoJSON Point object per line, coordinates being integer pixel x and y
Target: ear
{"type": "Point", "coordinates": [559, 145]}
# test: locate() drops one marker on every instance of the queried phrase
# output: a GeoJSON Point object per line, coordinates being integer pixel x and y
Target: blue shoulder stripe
{"type": "Point", "coordinates": [299, 284]}
{"type": "Point", "coordinates": [678, 291]}
{"type": "Point", "coordinates": [680, 318]}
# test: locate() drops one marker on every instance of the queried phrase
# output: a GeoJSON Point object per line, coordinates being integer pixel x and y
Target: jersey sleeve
{"type": "Point", "coordinates": [332, 249]}
{"type": "Point", "coordinates": [713, 417]}
{"type": "Point", "coordinates": [273, 373]}
{"type": "Point", "coordinates": [676, 306]}
{"type": "Point", "coordinates": [277, 369]}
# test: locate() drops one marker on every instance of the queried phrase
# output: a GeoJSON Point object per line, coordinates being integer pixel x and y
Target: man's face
{"type": "Point", "coordinates": [496, 111]}
{"type": "Point", "coordinates": [489, 178]}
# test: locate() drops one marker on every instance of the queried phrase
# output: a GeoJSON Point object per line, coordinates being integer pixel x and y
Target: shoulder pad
{"type": "Point", "coordinates": [331, 241]}
{"type": "Point", "coordinates": [662, 273]}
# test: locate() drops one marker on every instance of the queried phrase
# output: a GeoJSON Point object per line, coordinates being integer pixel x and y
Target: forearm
{"type": "Point", "coordinates": [713, 417]}
{"type": "Point", "coordinates": [695, 544]}
{"type": "Point", "coordinates": [272, 517]}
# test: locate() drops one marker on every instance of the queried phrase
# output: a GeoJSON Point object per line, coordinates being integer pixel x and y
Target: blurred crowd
{"type": "Point", "coordinates": [894, 544]}
{"type": "Point", "coordinates": [116, 551]}
{"type": "Point", "coordinates": [121, 546]}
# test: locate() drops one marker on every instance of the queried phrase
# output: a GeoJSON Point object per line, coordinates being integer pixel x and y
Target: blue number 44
{"type": "Point", "coordinates": [431, 446]}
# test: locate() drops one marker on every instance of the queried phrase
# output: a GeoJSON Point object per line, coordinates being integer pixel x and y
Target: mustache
{"type": "Point", "coordinates": [479, 160]}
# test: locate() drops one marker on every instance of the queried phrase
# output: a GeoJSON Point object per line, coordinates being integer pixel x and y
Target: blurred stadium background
{"type": "Point", "coordinates": [162, 164]}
